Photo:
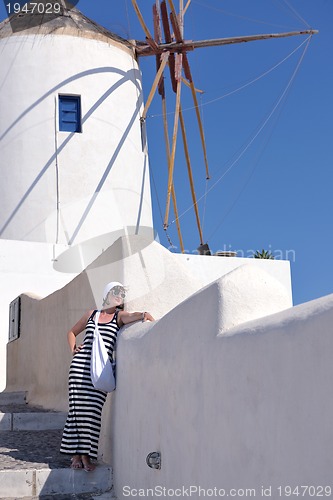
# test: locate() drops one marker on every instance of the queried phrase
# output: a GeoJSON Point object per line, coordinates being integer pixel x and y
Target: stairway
{"type": "Point", "coordinates": [31, 466]}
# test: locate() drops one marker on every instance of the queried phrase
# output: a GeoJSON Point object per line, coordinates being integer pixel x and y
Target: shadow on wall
{"type": "Point", "coordinates": [126, 76]}
{"type": "Point", "coordinates": [82, 255]}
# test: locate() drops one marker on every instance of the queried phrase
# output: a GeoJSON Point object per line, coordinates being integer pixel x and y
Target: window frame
{"type": "Point", "coordinates": [75, 99]}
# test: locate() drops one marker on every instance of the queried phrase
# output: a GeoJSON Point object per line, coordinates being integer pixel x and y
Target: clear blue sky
{"type": "Point", "coordinates": [269, 142]}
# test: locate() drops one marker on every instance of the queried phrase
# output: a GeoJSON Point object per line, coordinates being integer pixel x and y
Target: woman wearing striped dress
{"type": "Point", "coordinates": [83, 424]}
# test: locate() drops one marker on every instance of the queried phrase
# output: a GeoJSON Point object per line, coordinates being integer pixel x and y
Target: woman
{"type": "Point", "coordinates": [83, 424]}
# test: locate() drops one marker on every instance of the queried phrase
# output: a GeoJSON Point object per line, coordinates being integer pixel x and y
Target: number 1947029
{"type": "Point", "coordinates": [304, 491]}
{"type": "Point", "coordinates": [33, 8]}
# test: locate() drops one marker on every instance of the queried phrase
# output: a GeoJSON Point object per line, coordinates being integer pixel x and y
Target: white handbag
{"type": "Point", "coordinates": [101, 369]}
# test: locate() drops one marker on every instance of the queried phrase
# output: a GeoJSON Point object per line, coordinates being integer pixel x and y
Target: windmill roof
{"type": "Point", "coordinates": [70, 21]}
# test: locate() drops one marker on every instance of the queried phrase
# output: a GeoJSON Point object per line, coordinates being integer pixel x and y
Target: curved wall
{"type": "Point", "coordinates": [241, 413]}
{"type": "Point", "coordinates": [61, 187]}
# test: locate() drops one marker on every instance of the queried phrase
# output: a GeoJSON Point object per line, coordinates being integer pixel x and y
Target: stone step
{"type": "Point", "coordinates": [8, 398]}
{"type": "Point", "coordinates": [53, 483]}
{"type": "Point", "coordinates": [16, 414]}
{"type": "Point", "coordinates": [17, 417]}
{"type": "Point", "coordinates": [31, 466]}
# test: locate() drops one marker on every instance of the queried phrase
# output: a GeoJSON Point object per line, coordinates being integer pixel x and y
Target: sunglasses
{"type": "Point", "coordinates": [118, 291]}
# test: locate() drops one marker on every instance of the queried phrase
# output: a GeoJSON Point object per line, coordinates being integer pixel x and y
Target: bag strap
{"type": "Point", "coordinates": [96, 319]}
{"type": "Point", "coordinates": [97, 333]}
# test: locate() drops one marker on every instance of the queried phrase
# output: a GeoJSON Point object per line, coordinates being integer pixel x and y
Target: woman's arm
{"type": "Point", "coordinates": [125, 317]}
{"type": "Point", "coordinates": [74, 332]}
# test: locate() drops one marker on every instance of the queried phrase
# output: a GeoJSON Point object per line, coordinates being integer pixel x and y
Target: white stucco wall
{"type": "Point", "coordinates": [70, 187]}
{"type": "Point", "coordinates": [156, 280]}
{"type": "Point", "coordinates": [25, 267]}
{"type": "Point", "coordinates": [204, 386]}
{"type": "Point", "coordinates": [210, 268]}
{"type": "Point", "coordinates": [241, 410]}
{"type": "Point", "coordinates": [162, 279]}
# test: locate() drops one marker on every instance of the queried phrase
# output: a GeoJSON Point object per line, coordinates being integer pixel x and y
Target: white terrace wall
{"type": "Point", "coordinates": [237, 409]}
{"type": "Point", "coordinates": [38, 361]}
{"type": "Point", "coordinates": [157, 281]}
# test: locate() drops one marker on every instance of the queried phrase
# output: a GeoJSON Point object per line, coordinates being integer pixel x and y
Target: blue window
{"type": "Point", "coordinates": [70, 113]}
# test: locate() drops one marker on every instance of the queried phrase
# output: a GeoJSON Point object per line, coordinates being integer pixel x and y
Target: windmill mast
{"type": "Point", "coordinates": [187, 45]}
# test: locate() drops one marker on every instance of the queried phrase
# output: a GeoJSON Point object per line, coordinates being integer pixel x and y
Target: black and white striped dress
{"type": "Point", "coordinates": [83, 424]}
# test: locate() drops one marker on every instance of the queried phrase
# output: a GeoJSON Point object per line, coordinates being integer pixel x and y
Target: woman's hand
{"type": "Point", "coordinates": [74, 332]}
{"type": "Point", "coordinates": [76, 349]}
{"type": "Point", "coordinates": [146, 316]}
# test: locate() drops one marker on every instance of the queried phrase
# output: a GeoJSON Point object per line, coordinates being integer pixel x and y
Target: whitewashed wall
{"type": "Point", "coordinates": [98, 179]}
{"type": "Point", "coordinates": [238, 411]}
{"type": "Point", "coordinates": [24, 267]}
{"type": "Point", "coordinates": [210, 268]}
{"type": "Point", "coordinates": [162, 279]}
{"type": "Point", "coordinates": [156, 281]}
{"type": "Point", "coordinates": [181, 379]}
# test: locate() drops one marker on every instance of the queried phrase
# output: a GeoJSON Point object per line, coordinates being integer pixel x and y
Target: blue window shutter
{"type": "Point", "coordinates": [70, 113]}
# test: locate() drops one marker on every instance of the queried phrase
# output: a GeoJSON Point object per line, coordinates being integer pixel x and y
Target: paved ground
{"type": "Point", "coordinates": [31, 449]}
{"type": "Point", "coordinates": [36, 450]}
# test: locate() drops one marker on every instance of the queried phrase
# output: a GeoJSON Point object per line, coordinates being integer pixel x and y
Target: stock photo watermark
{"type": "Point", "coordinates": [229, 251]}
{"type": "Point", "coordinates": [23, 15]}
{"type": "Point", "coordinates": [262, 491]}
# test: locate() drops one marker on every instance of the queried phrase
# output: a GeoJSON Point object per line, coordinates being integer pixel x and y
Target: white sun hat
{"type": "Point", "coordinates": [109, 287]}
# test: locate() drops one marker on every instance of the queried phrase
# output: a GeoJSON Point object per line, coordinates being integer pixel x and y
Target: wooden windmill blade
{"type": "Point", "coordinates": [158, 40]}
{"type": "Point", "coordinates": [161, 61]}
{"type": "Point", "coordinates": [186, 7]}
{"type": "Point", "coordinates": [188, 75]}
{"type": "Point", "coordinates": [175, 65]}
{"type": "Point", "coordinates": [190, 175]}
{"type": "Point", "coordinates": [178, 31]}
{"type": "Point", "coordinates": [178, 27]}
{"type": "Point", "coordinates": [161, 87]}
{"type": "Point", "coordinates": [168, 39]}
{"type": "Point", "coordinates": [174, 141]}
{"type": "Point", "coordinates": [145, 28]}
{"type": "Point", "coordinates": [187, 71]}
